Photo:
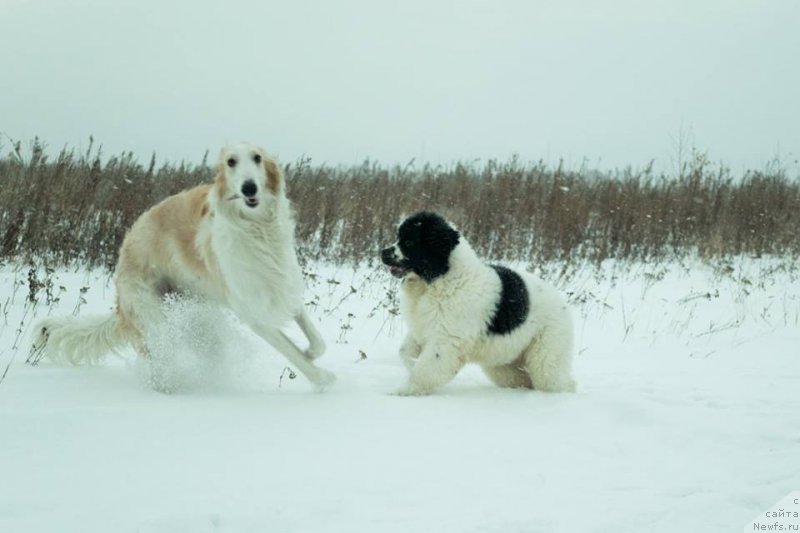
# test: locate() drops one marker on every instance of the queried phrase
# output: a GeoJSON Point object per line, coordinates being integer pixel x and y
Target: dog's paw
{"type": "Point", "coordinates": [324, 380]}
{"type": "Point", "coordinates": [411, 390]}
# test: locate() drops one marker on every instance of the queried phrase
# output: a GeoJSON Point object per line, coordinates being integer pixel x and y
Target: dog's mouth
{"type": "Point", "coordinates": [398, 267]}
{"type": "Point", "coordinates": [398, 271]}
{"type": "Point", "coordinates": [249, 202]}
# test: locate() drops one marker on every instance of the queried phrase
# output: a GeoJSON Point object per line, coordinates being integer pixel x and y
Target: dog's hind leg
{"type": "Point", "coordinates": [142, 319]}
{"type": "Point", "coordinates": [548, 360]}
{"type": "Point", "coordinates": [138, 308]}
{"type": "Point", "coordinates": [320, 377]}
{"type": "Point", "coordinates": [316, 344]}
{"type": "Point", "coordinates": [513, 375]}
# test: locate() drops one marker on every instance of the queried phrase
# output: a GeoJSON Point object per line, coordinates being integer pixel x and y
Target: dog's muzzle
{"type": "Point", "coordinates": [389, 258]}
{"type": "Point", "coordinates": [249, 191]}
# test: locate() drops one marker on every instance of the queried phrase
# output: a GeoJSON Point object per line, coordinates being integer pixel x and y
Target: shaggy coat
{"type": "Point", "coordinates": [459, 310]}
{"type": "Point", "coordinates": [230, 242]}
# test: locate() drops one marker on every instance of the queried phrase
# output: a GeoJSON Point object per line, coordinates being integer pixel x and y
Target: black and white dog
{"type": "Point", "coordinates": [459, 309]}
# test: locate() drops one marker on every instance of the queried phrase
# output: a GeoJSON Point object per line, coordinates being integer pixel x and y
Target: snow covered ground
{"type": "Point", "coordinates": [687, 417]}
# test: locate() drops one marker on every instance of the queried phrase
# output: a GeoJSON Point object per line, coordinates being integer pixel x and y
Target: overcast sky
{"type": "Point", "coordinates": [612, 82]}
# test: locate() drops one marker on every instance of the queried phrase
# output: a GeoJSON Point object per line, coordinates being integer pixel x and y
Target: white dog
{"type": "Point", "coordinates": [230, 242]}
{"type": "Point", "coordinates": [460, 310]}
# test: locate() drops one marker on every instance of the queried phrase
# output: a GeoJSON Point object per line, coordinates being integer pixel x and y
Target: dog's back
{"type": "Point", "coordinates": [168, 247]}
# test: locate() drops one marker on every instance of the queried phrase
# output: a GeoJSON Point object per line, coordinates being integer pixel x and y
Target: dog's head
{"type": "Point", "coordinates": [247, 176]}
{"type": "Point", "coordinates": [424, 243]}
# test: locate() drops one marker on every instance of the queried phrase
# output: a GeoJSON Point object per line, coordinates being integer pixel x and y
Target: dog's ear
{"type": "Point", "coordinates": [274, 176]}
{"type": "Point", "coordinates": [219, 178]}
{"type": "Point", "coordinates": [440, 240]}
{"type": "Point", "coordinates": [443, 238]}
{"type": "Point", "coordinates": [451, 238]}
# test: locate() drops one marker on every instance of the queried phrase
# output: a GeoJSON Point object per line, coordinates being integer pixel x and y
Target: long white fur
{"type": "Point", "coordinates": [447, 327]}
{"type": "Point", "coordinates": [206, 242]}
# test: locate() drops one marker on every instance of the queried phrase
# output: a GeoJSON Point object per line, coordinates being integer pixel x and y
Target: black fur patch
{"type": "Point", "coordinates": [512, 308]}
{"type": "Point", "coordinates": [426, 240]}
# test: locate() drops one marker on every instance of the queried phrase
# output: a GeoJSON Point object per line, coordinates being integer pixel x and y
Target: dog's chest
{"type": "Point", "coordinates": [261, 273]}
{"type": "Point", "coordinates": [431, 314]}
{"type": "Point", "coordinates": [420, 312]}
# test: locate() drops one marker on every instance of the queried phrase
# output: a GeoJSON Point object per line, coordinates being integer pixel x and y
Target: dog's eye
{"type": "Point", "coordinates": [231, 162]}
{"type": "Point", "coordinates": [409, 243]}
{"type": "Point", "coordinates": [257, 159]}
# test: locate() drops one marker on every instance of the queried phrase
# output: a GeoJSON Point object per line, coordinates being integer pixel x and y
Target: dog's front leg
{"type": "Point", "coordinates": [320, 377]}
{"type": "Point", "coordinates": [316, 344]}
{"type": "Point", "coordinates": [436, 366]}
{"type": "Point", "coordinates": [409, 351]}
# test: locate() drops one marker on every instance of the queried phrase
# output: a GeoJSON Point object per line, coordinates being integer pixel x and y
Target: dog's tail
{"type": "Point", "coordinates": [76, 340]}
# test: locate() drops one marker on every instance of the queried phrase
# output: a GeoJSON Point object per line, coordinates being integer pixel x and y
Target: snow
{"type": "Point", "coordinates": [686, 418]}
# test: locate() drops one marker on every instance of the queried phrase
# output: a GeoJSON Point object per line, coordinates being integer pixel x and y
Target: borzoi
{"type": "Point", "coordinates": [230, 242]}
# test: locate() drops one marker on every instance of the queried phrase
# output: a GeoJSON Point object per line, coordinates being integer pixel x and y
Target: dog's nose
{"type": "Point", "coordinates": [387, 254]}
{"type": "Point", "coordinates": [249, 188]}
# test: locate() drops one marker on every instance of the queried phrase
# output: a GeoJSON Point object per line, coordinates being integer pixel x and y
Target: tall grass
{"type": "Point", "coordinates": [76, 207]}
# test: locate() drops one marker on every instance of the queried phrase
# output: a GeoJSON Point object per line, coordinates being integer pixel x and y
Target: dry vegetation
{"type": "Point", "coordinates": [76, 208]}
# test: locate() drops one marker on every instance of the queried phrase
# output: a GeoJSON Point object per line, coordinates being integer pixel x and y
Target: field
{"type": "Point", "coordinates": [75, 207]}
{"type": "Point", "coordinates": [685, 293]}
